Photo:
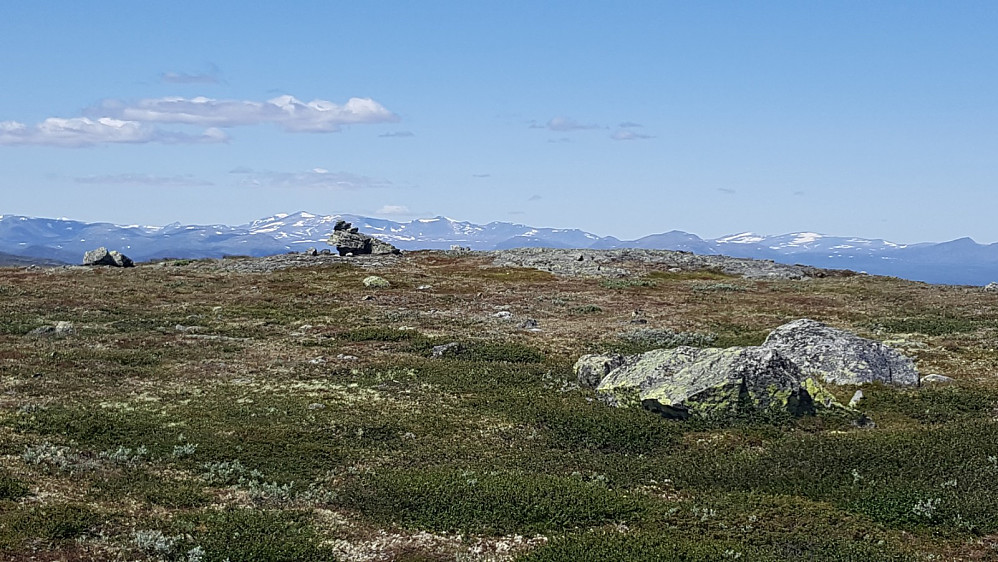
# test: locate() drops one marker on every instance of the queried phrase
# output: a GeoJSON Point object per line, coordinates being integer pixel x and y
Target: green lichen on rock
{"type": "Point", "coordinates": [714, 383]}
{"type": "Point", "coordinates": [375, 282]}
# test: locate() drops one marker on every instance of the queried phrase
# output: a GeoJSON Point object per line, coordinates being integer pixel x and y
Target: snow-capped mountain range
{"type": "Point", "coordinates": [961, 261]}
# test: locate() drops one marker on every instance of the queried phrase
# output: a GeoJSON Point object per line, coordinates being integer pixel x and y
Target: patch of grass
{"type": "Point", "coordinates": [140, 485]}
{"type": "Point", "coordinates": [381, 333]}
{"type": "Point", "coordinates": [587, 309]}
{"type": "Point", "coordinates": [515, 274]}
{"type": "Point", "coordinates": [493, 502]}
{"type": "Point", "coordinates": [506, 352]}
{"type": "Point", "coordinates": [576, 423]}
{"type": "Point", "coordinates": [250, 535]}
{"type": "Point", "coordinates": [686, 275]}
{"type": "Point", "coordinates": [11, 488]}
{"type": "Point", "coordinates": [931, 325]}
{"type": "Point", "coordinates": [934, 404]}
{"type": "Point", "coordinates": [647, 339]}
{"type": "Point", "coordinates": [52, 523]}
{"type": "Point", "coordinates": [181, 263]}
{"type": "Point", "coordinates": [621, 284]}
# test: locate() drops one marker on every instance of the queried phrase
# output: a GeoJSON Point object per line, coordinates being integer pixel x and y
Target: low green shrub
{"type": "Point", "coordinates": [486, 502]}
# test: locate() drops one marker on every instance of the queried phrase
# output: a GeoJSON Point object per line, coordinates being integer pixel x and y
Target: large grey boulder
{"type": "Point", "coordinates": [102, 256]}
{"type": "Point", "coordinates": [591, 369]}
{"type": "Point", "coordinates": [710, 383]}
{"type": "Point", "coordinates": [839, 357]}
{"type": "Point", "coordinates": [348, 240]}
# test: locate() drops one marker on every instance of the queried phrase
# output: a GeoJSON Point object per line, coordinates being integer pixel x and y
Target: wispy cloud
{"type": "Point", "coordinates": [316, 178]}
{"type": "Point", "coordinates": [624, 135]}
{"type": "Point", "coordinates": [629, 125]}
{"type": "Point", "coordinates": [287, 112]}
{"type": "Point", "coordinates": [79, 132]}
{"type": "Point", "coordinates": [560, 140]}
{"type": "Point", "coordinates": [563, 124]}
{"type": "Point", "coordinates": [397, 134]}
{"type": "Point", "coordinates": [481, 176]}
{"type": "Point", "coordinates": [727, 190]}
{"type": "Point", "coordinates": [535, 197]}
{"type": "Point", "coordinates": [799, 193]}
{"type": "Point", "coordinates": [394, 210]}
{"type": "Point", "coordinates": [144, 179]}
{"type": "Point", "coordinates": [212, 76]}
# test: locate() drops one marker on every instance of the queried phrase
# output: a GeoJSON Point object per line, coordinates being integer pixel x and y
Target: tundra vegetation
{"type": "Point", "coordinates": [196, 412]}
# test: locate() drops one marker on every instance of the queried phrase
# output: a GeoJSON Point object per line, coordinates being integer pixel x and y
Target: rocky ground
{"type": "Point", "coordinates": [294, 408]}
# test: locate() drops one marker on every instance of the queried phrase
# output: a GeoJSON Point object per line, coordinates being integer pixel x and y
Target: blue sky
{"type": "Point", "coordinates": [875, 119]}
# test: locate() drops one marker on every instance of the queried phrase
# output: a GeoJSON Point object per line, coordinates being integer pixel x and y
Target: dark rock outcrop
{"type": "Point", "coordinates": [348, 240]}
{"type": "Point", "coordinates": [103, 256]}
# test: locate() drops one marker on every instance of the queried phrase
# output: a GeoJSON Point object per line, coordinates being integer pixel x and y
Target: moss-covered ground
{"type": "Point", "coordinates": [201, 414]}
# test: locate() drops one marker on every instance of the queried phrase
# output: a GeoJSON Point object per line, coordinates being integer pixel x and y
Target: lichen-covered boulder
{"type": "Point", "coordinates": [714, 383]}
{"type": "Point", "coordinates": [375, 282]}
{"type": "Point", "coordinates": [590, 369]}
{"type": "Point", "coordinates": [839, 357]}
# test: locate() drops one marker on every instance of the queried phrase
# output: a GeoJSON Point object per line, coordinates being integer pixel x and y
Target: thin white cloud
{"type": "Point", "coordinates": [317, 178]}
{"type": "Point", "coordinates": [287, 112]}
{"type": "Point", "coordinates": [564, 124]}
{"type": "Point", "coordinates": [480, 176]}
{"type": "Point", "coordinates": [394, 210]}
{"type": "Point", "coordinates": [82, 131]}
{"type": "Point", "coordinates": [144, 179]}
{"type": "Point", "coordinates": [213, 76]}
{"type": "Point", "coordinates": [534, 197]}
{"type": "Point", "coordinates": [629, 125]}
{"type": "Point", "coordinates": [397, 134]}
{"type": "Point", "coordinates": [624, 135]}
{"type": "Point", "coordinates": [727, 190]}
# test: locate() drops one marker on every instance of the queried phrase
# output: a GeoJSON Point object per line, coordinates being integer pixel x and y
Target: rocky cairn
{"type": "Point", "coordinates": [103, 256]}
{"type": "Point", "coordinates": [785, 374]}
{"type": "Point", "coordinates": [349, 241]}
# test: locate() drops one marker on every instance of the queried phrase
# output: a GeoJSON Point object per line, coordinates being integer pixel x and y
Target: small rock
{"type": "Point", "coordinates": [937, 379]}
{"type": "Point", "coordinates": [675, 270]}
{"type": "Point", "coordinates": [991, 287]}
{"type": "Point", "coordinates": [316, 406]}
{"type": "Point", "coordinates": [447, 349]}
{"type": "Point", "coordinates": [422, 287]}
{"type": "Point", "coordinates": [375, 282]}
{"type": "Point", "coordinates": [856, 399]}
{"type": "Point", "coordinates": [60, 329]}
{"type": "Point", "coordinates": [345, 357]}
{"type": "Point", "coordinates": [529, 324]}
{"type": "Point", "coordinates": [311, 252]}
{"type": "Point", "coordinates": [367, 298]}
{"type": "Point", "coordinates": [326, 252]}
{"type": "Point", "coordinates": [503, 315]}
{"type": "Point", "coordinates": [317, 361]}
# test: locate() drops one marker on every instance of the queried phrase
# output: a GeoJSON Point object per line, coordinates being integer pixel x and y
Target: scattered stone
{"type": "Point", "coordinates": [102, 256]}
{"type": "Point", "coordinates": [349, 242]}
{"type": "Point", "coordinates": [856, 399]}
{"type": "Point", "coordinates": [839, 357]}
{"type": "Point", "coordinates": [367, 298]}
{"type": "Point", "coordinates": [344, 357]}
{"type": "Point", "coordinates": [710, 383]}
{"type": "Point", "coordinates": [991, 287]}
{"type": "Point", "coordinates": [503, 315]}
{"type": "Point", "coordinates": [423, 287]}
{"type": "Point", "coordinates": [375, 282]}
{"type": "Point", "coordinates": [312, 252]}
{"type": "Point", "coordinates": [447, 350]}
{"type": "Point", "coordinates": [937, 379]}
{"type": "Point", "coordinates": [529, 324]}
{"type": "Point", "coordinates": [326, 252]}
{"type": "Point", "coordinates": [58, 330]}
{"type": "Point", "coordinates": [675, 270]}
{"type": "Point", "coordinates": [317, 361]}
{"type": "Point", "coordinates": [316, 406]}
